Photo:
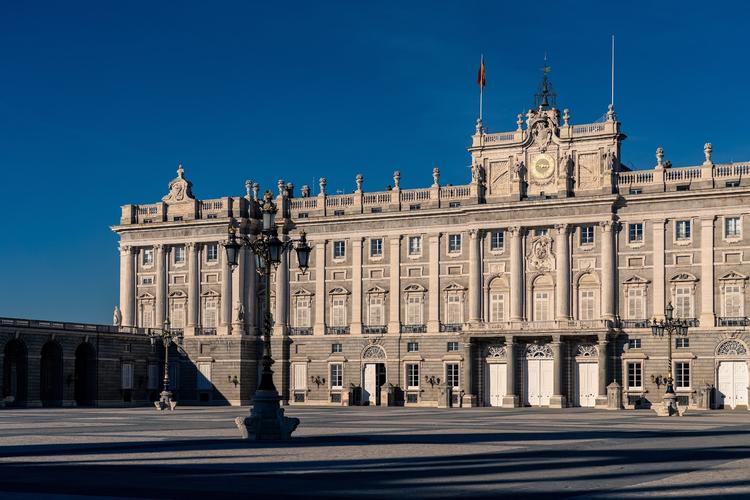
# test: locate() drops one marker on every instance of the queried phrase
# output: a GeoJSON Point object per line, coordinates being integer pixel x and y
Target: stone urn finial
{"type": "Point", "coordinates": [435, 176]}
{"type": "Point", "coordinates": [322, 183]}
{"type": "Point", "coordinates": [305, 190]}
{"type": "Point", "coordinates": [256, 190]}
{"type": "Point", "coordinates": [248, 189]}
{"type": "Point", "coordinates": [359, 179]}
{"type": "Point", "coordinates": [707, 150]}
{"type": "Point", "coordinates": [659, 157]}
{"type": "Point", "coordinates": [397, 180]}
{"type": "Point", "coordinates": [519, 121]}
{"type": "Point", "coordinates": [290, 189]}
{"type": "Point", "coordinates": [478, 127]}
{"type": "Point", "coordinates": [280, 185]}
{"type": "Point", "coordinates": [566, 117]}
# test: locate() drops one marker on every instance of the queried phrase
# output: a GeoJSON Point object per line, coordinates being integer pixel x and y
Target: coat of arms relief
{"type": "Point", "coordinates": [541, 257]}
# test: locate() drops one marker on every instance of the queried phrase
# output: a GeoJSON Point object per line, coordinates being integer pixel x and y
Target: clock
{"type": "Point", "coordinates": [543, 167]}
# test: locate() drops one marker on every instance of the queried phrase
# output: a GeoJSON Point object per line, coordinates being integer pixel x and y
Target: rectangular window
{"type": "Point", "coordinates": [682, 343]}
{"type": "Point", "coordinates": [683, 187]}
{"type": "Point", "coordinates": [210, 318]}
{"type": "Point", "coordinates": [732, 184]}
{"type": "Point", "coordinates": [147, 318]}
{"type": "Point", "coordinates": [682, 374]}
{"type": "Point", "coordinates": [337, 376]}
{"type": "Point", "coordinates": [587, 235]}
{"type": "Point", "coordinates": [127, 376]}
{"type": "Point", "coordinates": [336, 348]}
{"type": "Point", "coordinates": [412, 376]}
{"type": "Point", "coordinates": [634, 344]}
{"type": "Point", "coordinates": [454, 243]}
{"type": "Point", "coordinates": [302, 312]}
{"type": "Point", "coordinates": [453, 310]}
{"type": "Point", "coordinates": [682, 230]}
{"type": "Point", "coordinates": [586, 304]}
{"type": "Point", "coordinates": [148, 256]}
{"type": "Point", "coordinates": [339, 249]}
{"type": "Point", "coordinates": [179, 255]}
{"type": "Point", "coordinates": [452, 346]}
{"type": "Point", "coordinates": [415, 245]}
{"type": "Point", "coordinates": [303, 215]}
{"type": "Point", "coordinates": [178, 314]}
{"type": "Point", "coordinates": [497, 307]}
{"type": "Point", "coordinates": [635, 375]}
{"type": "Point", "coordinates": [204, 376]}
{"type": "Point", "coordinates": [376, 210]}
{"type": "Point", "coordinates": [414, 309]}
{"type": "Point", "coordinates": [376, 247]}
{"type": "Point", "coordinates": [454, 204]}
{"type": "Point", "coordinates": [636, 191]}
{"type": "Point", "coordinates": [412, 347]}
{"type": "Point", "coordinates": [635, 232]}
{"type": "Point", "coordinates": [212, 252]}
{"type": "Point", "coordinates": [683, 302]}
{"type": "Point", "coordinates": [416, 206]}
{"type": "Point", "coordinates": [451, 375]}
{"type": "Point", "coordinates": [148, 280]}
{"type": "Point", "coordinates": [732, 227]}
{"type": "Point", "coordinates": [733, 301]}
{"type": "Point", "coordinates": [497, 240]}
{"type": "Point", "coordinates": [541, 306]}
{"type": "Point", "coordinates": [376, 311]}
{"type": "Point", "coordinates": [338, 213]}
{"type": "Point", "coordinates": [338, 310]}
{"type": "Point", "coordinates": [636, 307]}
{"type": "Point", "coordinates": [153, 377]}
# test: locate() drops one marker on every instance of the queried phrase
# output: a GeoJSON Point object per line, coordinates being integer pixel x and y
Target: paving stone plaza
{"type": "Point", "coordinates": [375, 452]}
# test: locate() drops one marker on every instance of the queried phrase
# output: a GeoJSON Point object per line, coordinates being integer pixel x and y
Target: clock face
{"type": "Point", "coordinates": [543, 167]}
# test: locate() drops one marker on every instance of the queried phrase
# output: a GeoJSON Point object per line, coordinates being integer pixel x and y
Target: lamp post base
{"type": "Point", "coordinates": [165, 402]}
{"type": "Point", "coordinates": [668, 406]}
{"type": "Point", "coordinates": [266, 421]}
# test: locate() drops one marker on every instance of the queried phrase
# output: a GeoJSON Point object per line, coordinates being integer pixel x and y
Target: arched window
{"type": "Point", "coordinates": [497, 300]}
{"type": "Point", "coordinates": [588, 297]}
{"type": "Point", "coordinates": [543, 293]}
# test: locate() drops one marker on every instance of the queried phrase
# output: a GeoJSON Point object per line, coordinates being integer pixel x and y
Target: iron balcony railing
{"type": "Point", "coordinates": [374, 329]}
{"type": "Point", "coordinates": [634, 323]}
{"type": "Point", "coordinates": [413, 328]}
{"type": "Point", "coordinates": [204, 331]}
{"type": "Point", "coordinates": [300, 330]}
{"type": "Point", "coordinates": [729, 321]}
{"type": "Point", "coordinates": [451, 327]}
{"type": "Point", "coordinates": [337, 330]}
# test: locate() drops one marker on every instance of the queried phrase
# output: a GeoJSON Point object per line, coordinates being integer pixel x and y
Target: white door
{"type": "Point", "coordinates": [299, 377]}
{"type": "Point", "coordinates": [538, 381]}
{"type": "Point", "coordinates": [369, 386]}
{"type": "Point", "coordinates": [733, 381]}
{"type": "Point", "coordinates": [545, 381]}
{"type": "Point", "coordinates": [497, 383]}
{"type": "Point", "coordinates": [588, 384]}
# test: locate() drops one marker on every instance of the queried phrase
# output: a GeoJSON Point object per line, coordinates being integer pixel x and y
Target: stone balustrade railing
{"type": "Point", "coordinates": [698, 177]}
{"type": "Point", "coordinates": [74, 327]}
{"type": "Point", "coordinates": [594, 324]}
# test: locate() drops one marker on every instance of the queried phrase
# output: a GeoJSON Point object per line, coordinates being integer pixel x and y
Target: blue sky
{"type": "Point", "coordinates": [100, 101]}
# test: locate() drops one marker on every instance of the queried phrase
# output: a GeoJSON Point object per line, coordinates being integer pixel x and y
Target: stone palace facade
{"type": "Point", "coordinates": [531, 285]}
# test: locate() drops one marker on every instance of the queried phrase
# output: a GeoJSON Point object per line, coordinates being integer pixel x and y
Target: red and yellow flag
{"type": "Point", "coordinates": [481, 74]}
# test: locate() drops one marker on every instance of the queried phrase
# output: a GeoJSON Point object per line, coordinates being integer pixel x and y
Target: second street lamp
{"type": "Point", "coordinates": [168, 336]}
{"type": "Point", "coordinates": [671, 326]}
{"type": "Point", "coordinates": [267, 421]}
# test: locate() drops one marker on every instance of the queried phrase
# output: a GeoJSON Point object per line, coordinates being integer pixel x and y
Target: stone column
{"type": "Point", "coordinates": [394, 306]}
{"type": "Point", "coordinates": [609, 269]}
{"type": "Point", "coordinates": [510, 400]}
{"type": "Point", "coordinates": [161, 286]}
{"type": "Point", "coordinates": [708, 312]}
{"type": "Point", "coordinates": [516, 273]}
{"type": "Point", "coordinates": [557, 400]}
{"type": "Point", "coordinates": [659, 290]}
{"type": "Point", "coordinates": [320, 288]}
{"type": "Point", "coordinates": [356, 324]}
{"type": "Point", "coordinates": [433, 316]}
{"type": "Point", "coordinates": [475, 276]}
{"type": "Point", "coordinates": [601, 398]}
{"type": "Point", "coordinates": [251, 293]}
{"type": "Point", "coordinates": [281, 318]}
{"type": "Point", "coordinates": [469, 399]}
{"type": "Point", "coordinates": [127, 285]}
{"type": "Point", "coordinates": [562, 264]}
{"type": "Point", "coordinates": [238, 292]}
{"type": "Point", "coordinates": [194, 290]}
{"type": "Point", "coordinates": [226, 293]}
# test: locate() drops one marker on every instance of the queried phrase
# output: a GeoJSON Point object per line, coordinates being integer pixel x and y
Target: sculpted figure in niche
{"type": "Point", "coordinates": [117, 317]}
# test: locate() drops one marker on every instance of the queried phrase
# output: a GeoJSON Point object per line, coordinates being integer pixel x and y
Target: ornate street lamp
{"type": "Point", "coordinates": [167, 336]}
{"type": "Point", "coordinates": [671, 326]}
{"type": "Point", "coordinates": [267, 421]}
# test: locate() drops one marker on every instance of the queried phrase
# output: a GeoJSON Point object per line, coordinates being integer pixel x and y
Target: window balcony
{"type": "Point", "coordinates": [413, 328]}
{"type": "Point", "coordinates": [337, 330]}
{"type": "Point", "coordinates": [691, 322]}
{"type": "Point", "coordinates": [201, 331]}
{"type": "Point", "coordinates": [451, 327]}
{"type": "Point", "coordinates": [634, 323]}
{"type": "Point", "coordinates": [300, 330]}
{"type": "Point", "coordinates": [729, 321]}
{"type": "Point", "coordinates": [374, 329]}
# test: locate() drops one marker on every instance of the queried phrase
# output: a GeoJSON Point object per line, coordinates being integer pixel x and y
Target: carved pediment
{"type": "Point", "coordinates": [180, 189]}
{"type": "Point", "coordinates": [415, 288]}
{"type": "Point", "coordinates": [339, 291]}
{"type": "Point", "coordinates": [454, 287]}
{"type": "Point", "coordinates": [636, 280]}
{"type": "Point", "coordinates": [733, 276]}
{"type": "Point", "coordinates": [683, 277]}
{"type": "Point", "coordinates": [302, 293]}
{"type": "Point", "coordinates": [377, 289]}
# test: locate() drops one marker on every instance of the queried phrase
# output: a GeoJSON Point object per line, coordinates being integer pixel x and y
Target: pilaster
{"type": "Point", "coordinates": [601, 398]}
{"type": "Point", "coordinates": [516, 273]}
{"type": "Point", "coordinates": [708, 312]}
{"type": "Point", "coordinates": [557, 400]}
{"type": "Point", "coordinates": [475, 276]}
{"type": "Point", "coordinates": [562, 265]}
{"type": "Point", "coordinates": [356, 324]}
{"type": "Point", "coordinates": [251, 292]}
{"type": "Point", "coordinates": [320, 288]}
{"type": "Point", "coordinates": [433, 316]}
{"type": "Point", "coordinates": [394, 316]}
{"type": "Point", "coordinates": [281, 317]}
{"type": "Point", "coordinates": [510, 400]}
{"type": "Point", "coordinates": [194, 290]}
{"type": "Point", "coordinates": [238, 293]}
{"type": "Point", "coordinates": [127, 284]}
{"type": "Point", "coordinates": [161, 286]}
{"type": "Point", "coordinates": [659, 285]}
{"type": "Point", "coordinates": [609, 268]}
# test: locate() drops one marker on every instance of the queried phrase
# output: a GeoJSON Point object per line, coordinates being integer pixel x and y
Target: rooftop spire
{"type": "Point", "coordinates": [545, 97]}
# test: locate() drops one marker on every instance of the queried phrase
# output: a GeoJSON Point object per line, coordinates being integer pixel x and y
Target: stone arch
{"type": "Point", "coordinates": [373, 352]}
{"type": "Point", "coordinates": [541, 286]}
{"type": "Point", "coordinates": [731, 347]}
{"type": "Point", "coordinates": [587, 351]}
{"type": "Point", "coordinates": [51, 374]}
{"type": "Point", "coordinates": [543, 351]}
{"type": "Point", "coordinates": [497, 298]}
{"type": "Point", "coordinates": [85, 375]}
{"type": "Point", "coordinates": [15, 373]}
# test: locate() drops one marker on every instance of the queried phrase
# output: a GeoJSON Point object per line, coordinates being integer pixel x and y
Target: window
{"type": "Point", "coordinates": [153, 377]}
{"type": "Point", "coordinates": [733, 301]}
{"type": "Point", "coordinates": [147, 318]}
{"type": "Point", "coordinates": [178, 218]}
{"type": "Point", "coordinates": [302, 312]}
{"type": "Point", "coordinates": [414, 309]}
{"type": "Point", "coordinates": [338, 213]}
{"type": "Point", "coordinates": [303, 215]}
{"type": "Point", "coordinates": [204, 376]}
{"type": "Point", "coordinates": [636, 303]}
{"type": "Point", "coordinates": [683, 187]}
{"type": "Point", "coordinates": [497, 307]}
{"type": "Point", "coordinates": [586, 304]}
{"type": "Point", "coordinates": [682, 374]}
{"type": "Point", "coordinates": [587, 235]}
{"type": "Point", "coordinates": [683, 302]}
{"type": "Point", "coordinates": [338, 310]}
{"type": "Point", "coordinates": [412, 376]}
{"type": "Point", "coordinates": [497, 240]}
{"type": "Point", "coordinates": [376, 210]}
{"type": "Point", "coordinates": [415, 245]}
{"type": "Point", "coordinates": [634, 344]}
{"type": "Point", "coordinates": [337, 376]}
{"type": "Point", "coordinates": [148, 256]}
{"type": "Point", "coordinates": [376, 310]}
{"type": "Point", "coordinates": [451, 375]}
{"type": "Point", "coordinates": [336, 348]}
{"type": "Point", "coordinates": [179, 255]}
{"type": "Point", "coordinates": [210, 313]}
{"type": "Point", "coordinates": [636, 191]}
{"type": "Point", "coordinates": [412, 347]}
{"type": "Point", "coordinates": [635, 232]}
{"type": "Point", "coordinates": [454, 204]}
{"type": "Point", "coordinates": [148, 280]}
{"type": "Point", "coordinates": [148, 221]}
{"type": "Point", "coordinates": [376, 247]}
{"type": "Point", "coordinates": [732, 184]}
{"type": "Point", "coordinates": [635, 375]}
{"type": "Point", "coordinates": [212, 216]}
{"type": "Point", "coordinates": [682, 343]}
{"type": "Point", "coordinates": [454, 243]}
{"type": "Point", "coordinates": [178, 314]}
{"type": "Point", "coordinates": [541, 306]}
{"type": "Point", "coordinates": [339, 249]}
{"type": "Point", "coordinates": [416, 206]}
{"type": "Point", "coordinates": [452, 346]}
{"type": "Point", "coordinates": [732, 228]}
{"type": "Point", "coordinates": [127, 376]}
{"type": "Point", "coordinates": [212, 252]}
{"type": "Point", "coordinates": [682, 230]}
{"type": "Point", "coordinates": [541, 232]}
{"type": "Point", "coordinates": [454, 309]}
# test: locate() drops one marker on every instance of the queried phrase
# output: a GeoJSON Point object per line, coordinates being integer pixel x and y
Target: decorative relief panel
{"type": "Point", "coordinates": [541, 257]}
{"type": "Point", "coordinates": [731, 348]}
{"type": "Point", "coordinates": [373, 352]}
{"type": "Point", "coordinates": [587, 351]}
{"type": "Point", "coordinates": [588, 171]}
{"type": "Point", "coordinates": [539, 351]}
{"type": "Point", "coordinates": [499, 177]}
{"type": "Point", "coordinates": [496, 351]}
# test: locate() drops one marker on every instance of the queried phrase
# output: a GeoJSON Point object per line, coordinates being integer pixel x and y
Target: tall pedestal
{"type": "Point", "coordinates": [266, 421]}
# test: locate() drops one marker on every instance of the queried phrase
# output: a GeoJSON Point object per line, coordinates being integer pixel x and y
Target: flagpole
{"type": "Point", "coordinates": [481, 86]}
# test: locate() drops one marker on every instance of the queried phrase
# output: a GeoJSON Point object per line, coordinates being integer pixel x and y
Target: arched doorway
{"type": "Point", "coordinates": [15, 374]}
{"type": "Point", "coordinates": [373, 374]}
{"type": "Point", "coordinates": [538, 379]}
{"type": "Point", "coordinates": [732, 374]}
{"type": "Point", "coordinates": [51, 375]}
{"type": "Point", "coordinates": [85, 375]}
